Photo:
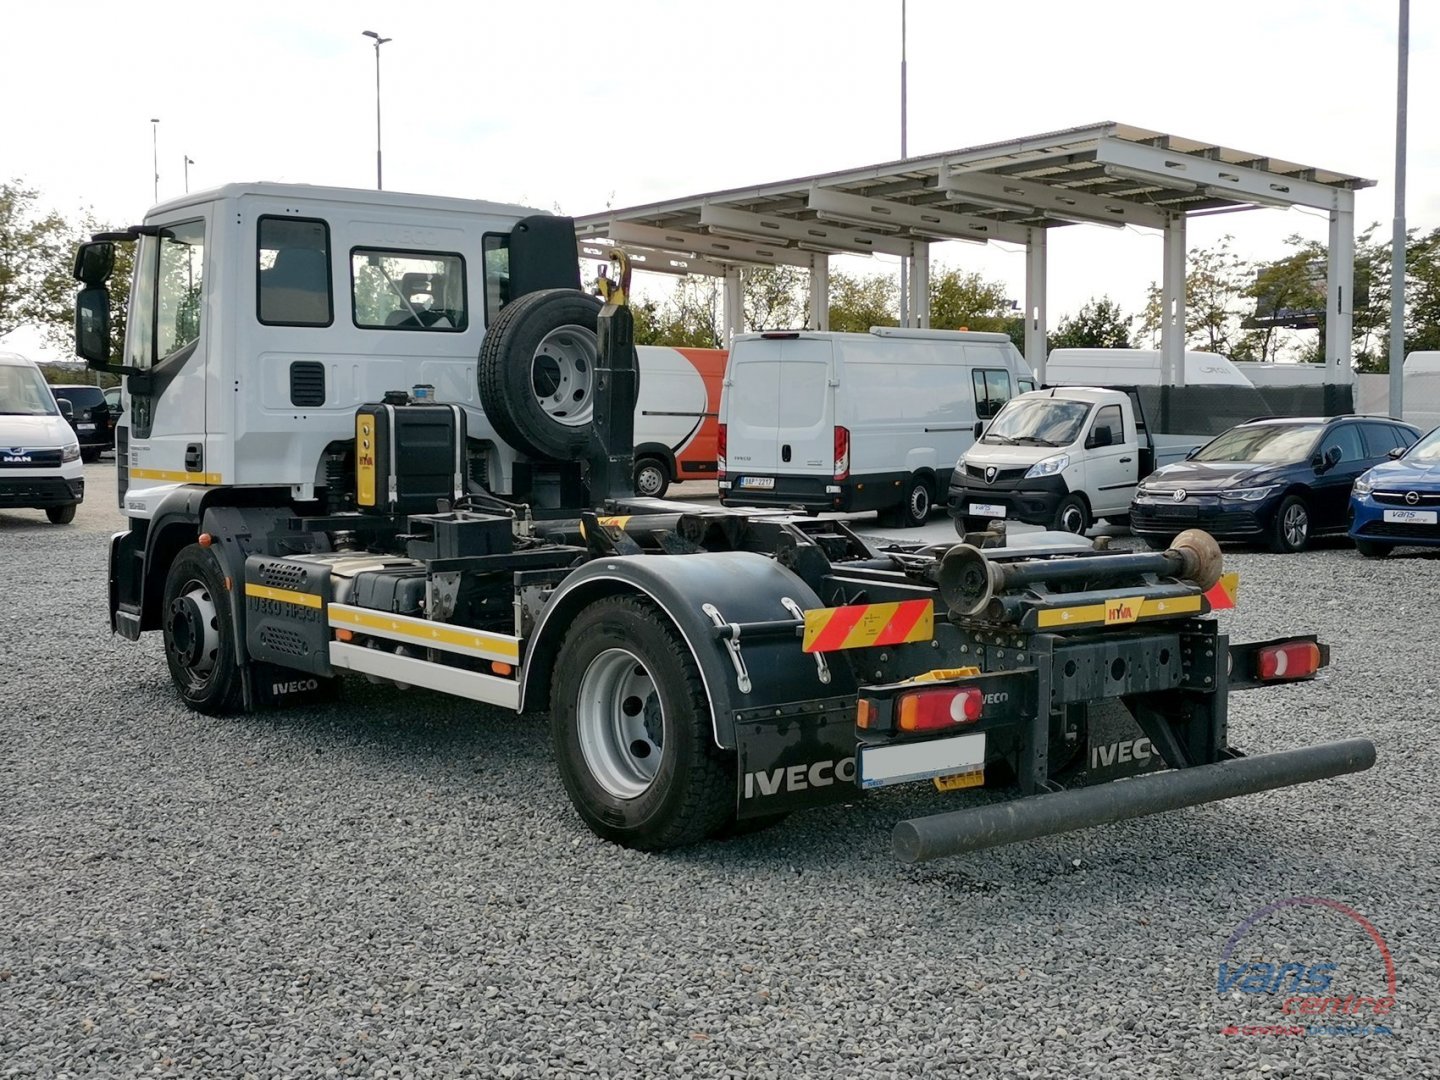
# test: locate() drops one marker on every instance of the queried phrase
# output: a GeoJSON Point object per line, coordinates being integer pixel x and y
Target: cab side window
{"type": "Point", "coordinates": [408, 290]}
{"type": "Point", "coordinates": [179, 285]}
{"type": "Point", "coordinates": [293, 272]}
{"type": "Point", "coordinates": [992, 390]}
{"type": "Point", "coordinates": [1108, 417]}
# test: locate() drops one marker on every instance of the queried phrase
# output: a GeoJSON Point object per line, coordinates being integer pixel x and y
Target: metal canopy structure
{"type": "Point", "coordinates": [1104, 174]}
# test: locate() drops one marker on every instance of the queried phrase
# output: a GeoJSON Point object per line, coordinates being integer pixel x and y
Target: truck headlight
{"type": "Point", "coordinates": [1363, 485]}
{"type": "Point", "coordinates": [1254, 494]}
{"type": "Point", "coordinates": [71, 452]}
{"type": "Point", "coordinates": [1048, 466]}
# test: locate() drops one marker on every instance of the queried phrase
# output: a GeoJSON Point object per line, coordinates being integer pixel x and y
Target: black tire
{"type": "Point", "coordinates": [200, 633]}
{"type": "Point", "coordinates": [90, 454]}
{"type": "Point", "coordinates": [1290, 531]}
{"type": "Point", "coordinates": [1373, 549]}
{"type": "Point", "coordinates": [914, 509]}
{"type": "Point", "coordinates": [61, 515]}
{"type": "Point", "coordinates": [965, 525]}
{"type": "Point", "coordinates": [652, 478]}
{"type": "Point", "coordinates": [622, 651]}
{"type": "Point", "coordinates": [1072, 516]}
{"type": "Point", "coordinates": [1122, 520]}
{"type": "Point", "coordinates": [513, 372]}
{"type": "Point", "coordinates": [1157, 543]}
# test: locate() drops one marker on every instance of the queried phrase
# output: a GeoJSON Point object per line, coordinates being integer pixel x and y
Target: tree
{"type": "Point", "coordinates": [858, 303]}
{"type": "Point", "coordinates": [1217, 282]}
{"type": "Point", "coordinates": [34, 252]}
{"type": "Point", "coordinates": [776, 297]}
{"type": "Point", "coordinates": [1099, 325]}
{"type": "Point", "coordinates": [960, 301]}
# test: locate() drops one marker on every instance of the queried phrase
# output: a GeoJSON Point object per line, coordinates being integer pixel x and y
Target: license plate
{"type": "Point", "coordinates": [994, 510]}
{"type": "Point", "coordinates": [899, 764]}
{"type": "Point", "coordinates": [1181, 513]}
{"type": "Point", "coordinates": [84, 427]}
{"type": "Point", "coordinates": [974, 778]}
{"type": "Point", "coordinates": [758, 483]}
{"type": "Point", "coordinates": [1412, 517]}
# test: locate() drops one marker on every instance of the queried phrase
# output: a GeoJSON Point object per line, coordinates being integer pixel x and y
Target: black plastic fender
{"type": "Point", "coordinates": [742, 587]}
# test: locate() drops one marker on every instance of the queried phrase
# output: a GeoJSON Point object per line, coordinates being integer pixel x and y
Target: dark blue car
{"type": "Point", "coordinates": [1279, 481]}
{"type": "Point", "coordinates": [1398, 501]}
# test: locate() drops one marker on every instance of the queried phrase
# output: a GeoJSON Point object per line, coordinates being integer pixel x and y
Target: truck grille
{"type": "Point", "coordinates": [22, 457]}
{"type": "Point", "coordinates": [279, 575]}
{"type": "Point", "coordinates": [977, 472]}
{"type": "Point", "coordinates": [307, 384]}
{"type": "Point", "coordinates": [1400, 530]}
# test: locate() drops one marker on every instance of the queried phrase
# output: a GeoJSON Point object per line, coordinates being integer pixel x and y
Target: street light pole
{"type": "Point", "coordinates": [1397, 237]}
{"type": "Point", "coordinates": [379, 185]}
{"type": "Point", "coordinates": [155, 152]}
{"type": "Point", "coordinates": [904, 262]}
{"type": "Point", "coordinates": [188, 162]}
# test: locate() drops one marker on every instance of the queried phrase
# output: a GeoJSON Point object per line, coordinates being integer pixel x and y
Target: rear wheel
{"type": "Point", "coordinates": [200, 633]}
{"type": "Point", "coordinates": [1157, 543]}
{"type": "Point", "coordinates": [631, 728]}
{"type": "Point", "coordinates": [61, 515]}
{"type": "Point", "coordinates": [651, 477]}
{"type": "Point", "coordinates": [914, 507]}
{"type": "Point", "coordinates": [1072, 515]}
{"type": "Point", "coordinates": [90, 454]}
{"type": "Point", "coordinates": [1373, 549]}
{"type": "Point", "coordinates": [1291, 528]}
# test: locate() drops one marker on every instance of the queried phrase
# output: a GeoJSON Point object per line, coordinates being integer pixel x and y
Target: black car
{"type": "Point", "coordinates": [1278, 480]}
{"type": "Point", "coordinates": [90, 417]}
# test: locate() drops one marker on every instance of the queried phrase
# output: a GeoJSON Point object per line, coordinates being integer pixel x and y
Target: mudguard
{"type": "Point", "coordinates": [741, 587]}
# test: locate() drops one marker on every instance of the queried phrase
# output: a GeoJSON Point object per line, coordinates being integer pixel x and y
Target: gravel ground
{"type": "Point", "coordinates": [395, 885]}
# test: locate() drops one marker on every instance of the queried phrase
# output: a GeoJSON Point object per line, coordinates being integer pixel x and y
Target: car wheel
{"type": "Point", "coordinates": [1122, 520]}
{"type": "Point", "coordinates": [90, 454]}
{"type": "Point", "coordinates": [1373, 549]}
{"type": "Point", "coordinates": [1291, 529]}
{"type": "Point", "coordinates": [651, 478]}
{"type": "Point", "coordinates": [913, 511]}
{"type": "Point", "coordinates": [200, 633]}
{"type": "Point", "coordinates": [1072, 516]}
{"type": "Point", "coordinates": [630, 724]}
{"type": "Point", "coordinates": [965, 525]}
{"type": "Point", "coordinates": [1157, 543]}
{"type": "Point", "coordinates": [61, 515]}
{"type": "Point", "coordinates": [537, 372]}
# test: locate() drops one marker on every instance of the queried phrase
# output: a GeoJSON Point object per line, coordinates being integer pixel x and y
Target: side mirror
{"type": "Point", "coordinates": [66, 409]}
{"type": "Point", "coordinates": [979, 428]}
{"type": "Point", "coordinates": [92, 326]}
{"type": "Point", "coordinates": [95, 262]}
{"type": "Point", "coordinates": [1333, 456]}
{"type": "Point", "coordinates": [1397, 452]}
{"type": "Point", "coordinates": [1191, 452]}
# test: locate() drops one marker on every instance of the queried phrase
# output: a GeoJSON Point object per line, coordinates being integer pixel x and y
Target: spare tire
{"type": "Point", "coordinates": [537, 373]}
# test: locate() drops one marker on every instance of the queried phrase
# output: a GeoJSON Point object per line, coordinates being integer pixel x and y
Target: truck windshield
{"type": "Point", "coordinates": [1038, 422]}
{"type": "Point", "coordinates": [23, 392]}
{"type": "Point", "coordinates": [1274, 444]}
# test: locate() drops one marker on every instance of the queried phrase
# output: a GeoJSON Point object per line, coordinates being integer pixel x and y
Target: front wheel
{"type": "Point", "coordinates": [965, 525]}
{"type": "Point", "coordinates": [200, 633]}
{"type": "Point", "coordinates": [913, 510]}
{"type": "Point", "coordinates": [630, 724]}
{"type": "Point", "coordinates": [1291, 529]}
{"type": "Point", "coordinates": [1072, 516]}
{"type": "Point", "coordinates": [1373, 549]}
{"type": "Point", "coordinates": [89, 455]}
{"type": "Point", "coordinates": [61, 515]}
{"type": "Point", "coordinates": [651, 478]}
{"type": "Point", "coordinates": [1157, 543]}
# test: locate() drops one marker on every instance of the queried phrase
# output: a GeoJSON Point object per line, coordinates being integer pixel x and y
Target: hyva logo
{"type": "Point", "coordinates": [1314, 995]}
{"type": "Point", "coordinates": [799, 777]}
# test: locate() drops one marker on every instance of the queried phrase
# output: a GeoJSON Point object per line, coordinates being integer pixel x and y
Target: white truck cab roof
{"type": "Point", "coordinates": [354, 196]}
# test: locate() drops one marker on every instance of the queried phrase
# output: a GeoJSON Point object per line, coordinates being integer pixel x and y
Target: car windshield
{"type": "Point", "coordinates": [23, 392]}
{"type": "Point", "coordinates": [1043, 421]}
{"type": "Point", "coordinates": [82, 397]}
{"type": "Point", "coordinates": [1427, 449]}
{"type": "Point", "coordinates": [1272, 444]}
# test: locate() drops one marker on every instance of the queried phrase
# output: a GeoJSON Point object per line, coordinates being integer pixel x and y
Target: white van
{"type": "Point", "coordinates": [848, 422]}
{"type": "Point", "coordinates": [39, 453]}
{"type": "Point", "coordinates": [1135, 367]}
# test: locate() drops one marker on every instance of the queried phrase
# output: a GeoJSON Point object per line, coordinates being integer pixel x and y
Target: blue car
{"type": "Point", "coordinates": [1398, 501]}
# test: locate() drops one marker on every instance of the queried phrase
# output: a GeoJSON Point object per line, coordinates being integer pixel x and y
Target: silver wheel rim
{"type": "Point", "coordinates": [198, 593]}
{"type": "Point", "coordinates": [920, 503]}
{"type": "Point", "coordinates": [621, 724]}
{"type": "Point", "coordinates": [1296, 524]}
{"type": "Point", "coordinates": [1072, 519]}
{"type": "Point", "coordinates": [562, 375]}
{"type": "Point", "coordinates": [650, 480]}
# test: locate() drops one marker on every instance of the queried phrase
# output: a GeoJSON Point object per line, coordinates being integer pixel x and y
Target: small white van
{"type": "Point", "coordinates": [39, 453]}
{"type": "Point", "coordinates": [1135, 367]}
{"type": "Point", "coordinates": [850, 422]}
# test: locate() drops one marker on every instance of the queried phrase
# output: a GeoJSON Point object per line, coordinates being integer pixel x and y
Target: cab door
{"type": "Point", "coordinates": [1111, 462]}
{"type": "Point", "coordinates": [167, 343]}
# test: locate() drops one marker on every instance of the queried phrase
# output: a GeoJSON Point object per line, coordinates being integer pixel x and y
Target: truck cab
{"type": "Point", "coordinates": [1060, 457]}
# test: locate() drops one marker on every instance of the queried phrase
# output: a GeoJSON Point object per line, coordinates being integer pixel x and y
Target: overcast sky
{"type": "Point", "coordinates": [557, 104]}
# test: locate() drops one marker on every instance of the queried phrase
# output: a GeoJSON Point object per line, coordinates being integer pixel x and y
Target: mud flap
{"type": "Point", "coordinates": [268, 686]}
{"type": "Point", "coordinates": [795, 756]}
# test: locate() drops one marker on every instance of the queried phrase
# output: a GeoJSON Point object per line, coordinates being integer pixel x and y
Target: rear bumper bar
{"type": "Point", "coordinates": [922, 839]}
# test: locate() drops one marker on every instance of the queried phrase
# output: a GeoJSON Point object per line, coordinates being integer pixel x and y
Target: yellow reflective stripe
{"type": "Point", "coordinates": [284, 596]}
{"type": "Point", "coordinates": [208, 478]}
{"type": "Point", "coordinates": [1088, 613]}
{"type": "Point", "coordinates": [616, 522]}
{"type": "Point", "coordinates": [438, 635]}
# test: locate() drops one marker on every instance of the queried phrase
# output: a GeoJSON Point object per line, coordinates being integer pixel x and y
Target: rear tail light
{"type": "Point", "coordinates": [842, 453]}
{"type": "Point", "coordinates": [931, 710]}
{"type": "Point", "coordinates": [1295, 660]}
{"type": "Point", "coordinates": [720, 448]}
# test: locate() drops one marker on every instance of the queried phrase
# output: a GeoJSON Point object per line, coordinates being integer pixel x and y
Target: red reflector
{"type": "Point", "coordinates": [842, 453]}
{"type": "Point", "coordinates": [1297, 660]}
{"type": "Point", "coordinates": [928, 710]}
{"type": "Point", "coordinates": [721, 441]}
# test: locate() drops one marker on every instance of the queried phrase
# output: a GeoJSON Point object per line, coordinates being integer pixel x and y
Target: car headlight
{"type": "Point", "coordinates": [1048, 467]}
{"type": "Point", "coordinates": [1363, 485]}
{"type": "Point", "coordinates": [1254, 494]}
{"type": "Point", "coordinates": [71, 452]}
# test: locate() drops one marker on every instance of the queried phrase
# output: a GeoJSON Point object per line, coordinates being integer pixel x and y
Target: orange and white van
{"type": "Point", "coordinates": [677, 416]}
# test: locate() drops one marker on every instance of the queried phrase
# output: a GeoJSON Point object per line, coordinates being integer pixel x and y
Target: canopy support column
{"type": "Point", "coordinates": [920, 286]}
{"type": "Point", "coordinates": [734, 305]}
{"type": "Point", "coordinates": [1035, 323]}
{"type": "Point", "coordinates": [1172, 305]}
{"type": "Point", "coordinates": [819, 292]}
{"type": "Point", "coordinates": [1339, 294]}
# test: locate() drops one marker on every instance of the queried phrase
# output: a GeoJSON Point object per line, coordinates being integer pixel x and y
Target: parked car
{"type": "Point", "coordinates": [39, 455]}
{"type": "Point", "coordinates": [90, 418]}
{"type": "Point", "coordinates": [1398, 501]}
{"type": "Point", "coordinates": [1280, 481]}
{"type": "Point", "coordinates": [116, 407]}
